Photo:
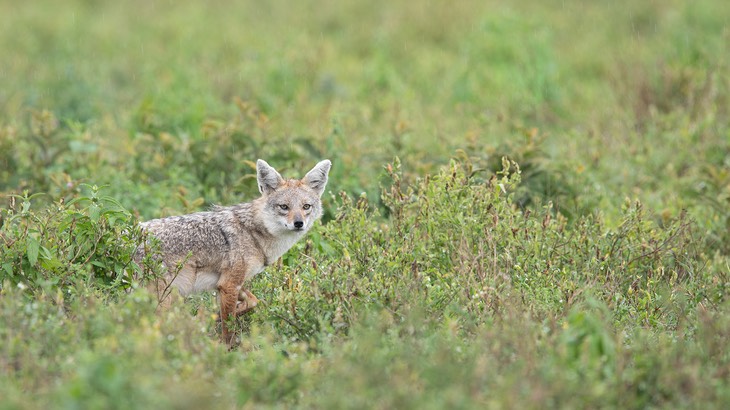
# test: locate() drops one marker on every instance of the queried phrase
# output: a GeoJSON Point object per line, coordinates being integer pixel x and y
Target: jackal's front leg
{"type": "Point", "coordinates": [228, 294]}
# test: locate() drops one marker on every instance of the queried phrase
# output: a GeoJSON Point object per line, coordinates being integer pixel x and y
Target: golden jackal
{"type": "Point", "coordinates": [223, 248]}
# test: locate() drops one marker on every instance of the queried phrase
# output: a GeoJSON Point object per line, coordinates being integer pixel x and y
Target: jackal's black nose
{"type": "Point", "coordinates": [299, 224]}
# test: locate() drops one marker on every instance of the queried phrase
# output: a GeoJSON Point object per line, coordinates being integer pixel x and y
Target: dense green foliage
{"type": "Point", "coordinates": [529, 204]}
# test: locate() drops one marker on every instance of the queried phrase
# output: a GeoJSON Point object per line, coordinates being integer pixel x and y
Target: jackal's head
{"type": "Point", "coordinates": [291, 205]}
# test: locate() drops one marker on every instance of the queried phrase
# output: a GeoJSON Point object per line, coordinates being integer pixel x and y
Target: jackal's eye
{"type": "Point", "coordinates": [306, 206]}
{"type": "Point", "coordinates": [284, 207]}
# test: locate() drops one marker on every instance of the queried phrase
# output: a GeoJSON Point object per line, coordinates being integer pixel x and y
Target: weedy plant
{"type": "Point", "coordinates": [458, 297]}
{"type": "Point", "coordinates": [459, 247]}
{"type": "Point", "coordinates": [86, 242]}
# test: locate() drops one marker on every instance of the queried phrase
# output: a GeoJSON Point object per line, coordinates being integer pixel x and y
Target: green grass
{"type": "Point", "coordinates": [529, 203]}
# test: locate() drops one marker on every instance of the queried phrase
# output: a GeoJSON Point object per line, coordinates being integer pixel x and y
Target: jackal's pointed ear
{"type": "Point", "coordinates": [317, 177]}
{"type": "Point", "coordinates": [267, 177]}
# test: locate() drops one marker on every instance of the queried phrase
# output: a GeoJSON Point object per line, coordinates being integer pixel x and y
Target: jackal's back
{"type": "Point", "coordinates": [205, 237]}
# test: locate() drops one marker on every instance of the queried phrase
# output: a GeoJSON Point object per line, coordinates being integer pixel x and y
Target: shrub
{"type": "Point", "coordinates": [88, 241]}
{"type": "Point", "coordinates": [459, 247]}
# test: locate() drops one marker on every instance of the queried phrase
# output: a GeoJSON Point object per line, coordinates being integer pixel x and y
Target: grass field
{"type": "Point", "coordinates": [529, 205]}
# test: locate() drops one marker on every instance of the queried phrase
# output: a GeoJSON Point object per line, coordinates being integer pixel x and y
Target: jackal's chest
{"type": "Point", "coordinates": [280, 246]}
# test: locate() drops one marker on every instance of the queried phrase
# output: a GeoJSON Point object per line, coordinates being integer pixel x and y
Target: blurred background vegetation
{"type": "Point", "coordinates": [529, 204]}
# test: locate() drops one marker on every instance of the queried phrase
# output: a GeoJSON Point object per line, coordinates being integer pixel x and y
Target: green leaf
{"type": "Point", "coordinates": [32, 249]}
{"type": "Point", "coordinates": [45, 253]}
{"type": "Point", "coordinates": [94, 213]}
{"type": "Point", "coordinates": [8, 268]}
{"type": "Point", "coordinates": [99, 264]}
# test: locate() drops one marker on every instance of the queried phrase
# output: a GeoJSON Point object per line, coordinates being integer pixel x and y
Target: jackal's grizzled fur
{"type": "Point", "coordinates": [226, 246]}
